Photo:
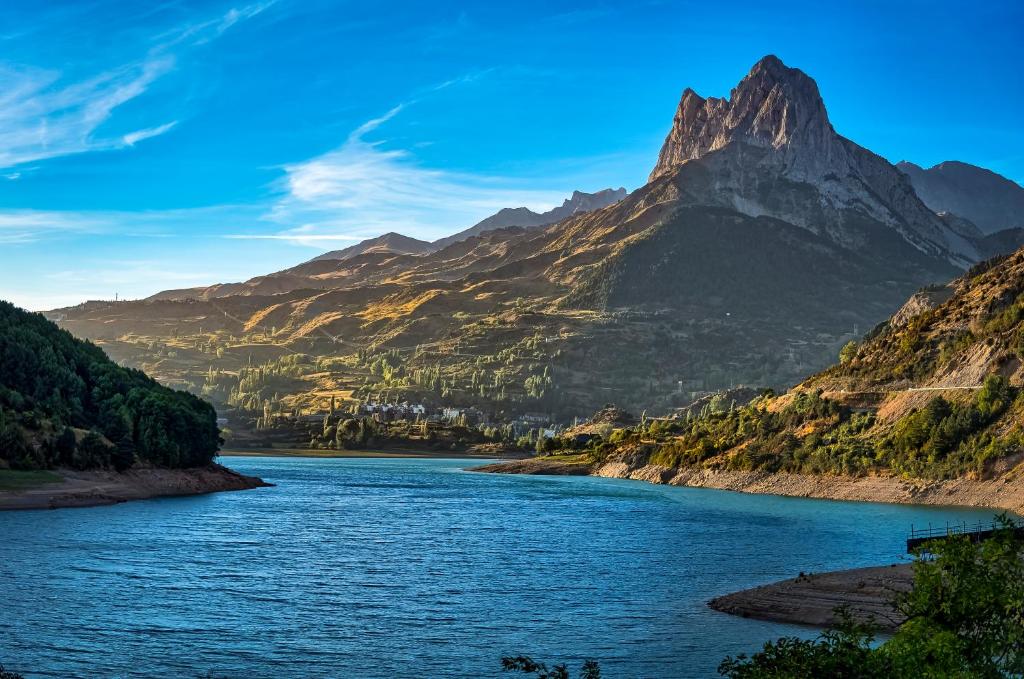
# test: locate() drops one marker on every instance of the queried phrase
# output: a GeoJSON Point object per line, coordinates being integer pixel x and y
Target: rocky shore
{"type": "Point", "coordinates": [1005, 491]}
{"type": "Point", "coordinates": [92, 488]}
{"type": "Point", "coordinates": [867, 593]}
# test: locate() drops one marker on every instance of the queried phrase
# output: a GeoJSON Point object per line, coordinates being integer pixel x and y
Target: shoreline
{"type": "Point", "coordinates": [812, 599]}
{"type": "Point", "coordinates": [1004, 492]}
{"type": "Point", "coordinates": [379, 453]}
{"type": "Point", "coordinates": [809, 599]}
{"type": "Point", "coordinates": [102, 487]}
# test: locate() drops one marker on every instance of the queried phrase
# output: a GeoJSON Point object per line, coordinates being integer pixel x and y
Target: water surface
{"type": "Point", "coordinates": [414, 568]}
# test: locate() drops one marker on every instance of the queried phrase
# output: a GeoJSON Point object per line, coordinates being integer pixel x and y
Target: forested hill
{"type": "Point", "coordinates": [63, 403]}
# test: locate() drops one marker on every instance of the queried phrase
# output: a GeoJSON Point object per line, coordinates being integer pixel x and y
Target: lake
{"type": "Point", "coordinates": [414, 568]}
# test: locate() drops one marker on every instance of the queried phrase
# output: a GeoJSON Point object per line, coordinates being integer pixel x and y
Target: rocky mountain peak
{"type": "Point", "coordinates": [585, 202]}
{"type": "Point", "coordinates": [770, 150]}
{"type": "Point", "coordinates": [773, 106]}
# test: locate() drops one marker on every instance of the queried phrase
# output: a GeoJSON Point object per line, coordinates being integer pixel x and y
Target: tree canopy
{"type": "Point", "coordinates": [51, 383]}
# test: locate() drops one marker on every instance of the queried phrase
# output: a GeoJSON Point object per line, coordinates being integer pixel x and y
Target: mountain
{"type": "Point", "coordinates": [578, 203]}
{"type": "Point", "coordinates": [391, 242]}
{"type": "Point", "coordinates": [770, 150]}
{"type": "Point", "coordinates": [990, 201]}
{"type": "Point", "coordinates": [763, 242]}
{"type": "Point", "coordinates": [934, 392]}
{"type": "Point", "coordinates": [55, 389]}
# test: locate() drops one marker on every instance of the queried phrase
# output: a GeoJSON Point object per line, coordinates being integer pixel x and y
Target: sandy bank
{"type": "Point", "coordinates": [1003, 492]}
{"type": "Point", "coordinates": [92, 488]}
{"type": "Point", "coordinates": [812, 599]}
{"type": "Point", "coordinates": [539, 466]}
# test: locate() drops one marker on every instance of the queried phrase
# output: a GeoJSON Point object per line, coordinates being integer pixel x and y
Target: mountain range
{"type": "Point", "coordinates": [579, 203]}
{"type": "Point", "coordinates": [762, 242]}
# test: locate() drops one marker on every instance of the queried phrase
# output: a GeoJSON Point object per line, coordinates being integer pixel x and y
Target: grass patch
{"type": "Point", "coordinates": [11, 479]}
{"type": "Point", "coordinates": [571, 458]}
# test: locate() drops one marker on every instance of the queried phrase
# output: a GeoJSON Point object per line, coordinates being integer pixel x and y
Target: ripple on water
{"type": "Point", "coordinates": [392, 568]}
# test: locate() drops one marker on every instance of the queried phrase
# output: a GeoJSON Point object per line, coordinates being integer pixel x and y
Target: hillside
{"type": "Point", "coordinates": [64, 403]}
{"type": "Point", "coordinates": [763, 241]}
{"type": "Point", "coordinates": [394, 243]}
{"type": "Point", "coordinates": [934, 392]}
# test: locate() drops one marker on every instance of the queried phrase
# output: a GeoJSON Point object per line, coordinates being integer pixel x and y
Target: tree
{"type": "Point", "coordinates": [522, 663]}
{"type": "Point", "coordinates": [123, 455]}
{"type": "Point", "coordinates": [848, 352]}
{"type": "Point", "coordinates": [65, 446]}
{"type": "Point", "coordinates": [47, 377]}
{"type": "Point", "coordinates": [91, 452]}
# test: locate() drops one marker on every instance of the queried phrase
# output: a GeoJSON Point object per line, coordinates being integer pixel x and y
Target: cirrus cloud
{"type": "Point", "coordinates": [362, 189]}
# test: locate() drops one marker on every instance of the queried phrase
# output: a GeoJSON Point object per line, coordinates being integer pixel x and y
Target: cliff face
{"type": "Point", "coordinates": [769, 149]}
{"type": "Point", "coordinates": [772, 107]}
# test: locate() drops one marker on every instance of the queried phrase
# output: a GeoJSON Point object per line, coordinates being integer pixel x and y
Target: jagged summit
{"type": "Point", "coordinates": [773, 106]}
{"type": "Point", "coordinates": [770, 150]}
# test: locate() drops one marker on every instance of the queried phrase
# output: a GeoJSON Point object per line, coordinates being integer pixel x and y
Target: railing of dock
{"type": "Point", "coordinates": [977, 531]}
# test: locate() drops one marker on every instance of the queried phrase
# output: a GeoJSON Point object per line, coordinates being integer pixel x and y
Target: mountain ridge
{"type": "Point", "coordinates": [578, 203]}
{"type": "Point", "coordinates": [391, 241]}
{"type": "Point", "coordinates": [989, 200]}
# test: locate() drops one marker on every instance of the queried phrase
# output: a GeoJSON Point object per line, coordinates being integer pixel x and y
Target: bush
{"type": "Point", "coordinates": [92, 452]}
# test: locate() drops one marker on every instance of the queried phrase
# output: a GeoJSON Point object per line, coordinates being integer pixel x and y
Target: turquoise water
{"type": "Point", "coordinates": [414, 568]}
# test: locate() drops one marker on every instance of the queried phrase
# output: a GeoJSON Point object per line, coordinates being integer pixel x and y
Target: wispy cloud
{"type": "Point", "coordinates": [34, 226]}
{"type": "Point", "coordinates": [28, 226]}
{"type": "Point", "coordinates": [363, 189]}
{"type": "Point", "coordinates": [46, 113]}
{"type": "Point", "coordinates": [133, 138]}
{"type": "Point", "coordinates": [125, 272]}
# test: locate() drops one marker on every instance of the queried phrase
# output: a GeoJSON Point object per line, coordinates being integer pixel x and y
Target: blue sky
{"type": "Point", "coordinates": [146, 146]}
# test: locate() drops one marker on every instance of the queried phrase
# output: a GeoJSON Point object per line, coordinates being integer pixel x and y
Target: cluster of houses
{"type": "Point", "coordinates": [469, 416]}
{"type": "Point", "coordinates": [388, 412]}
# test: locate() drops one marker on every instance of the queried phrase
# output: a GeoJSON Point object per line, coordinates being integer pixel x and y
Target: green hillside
{"type": "Point", "coordinates": [63, 403]}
